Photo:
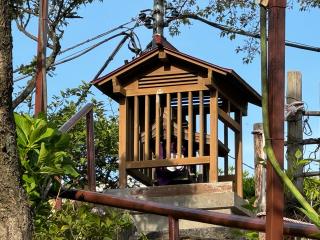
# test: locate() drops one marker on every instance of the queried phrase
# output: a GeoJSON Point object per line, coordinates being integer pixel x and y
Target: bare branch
{"type": "Point", "coordinates": [242, 32]}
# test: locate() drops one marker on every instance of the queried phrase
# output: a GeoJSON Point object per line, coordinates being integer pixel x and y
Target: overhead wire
{"type": "Point", "coordinates": [85, 50]}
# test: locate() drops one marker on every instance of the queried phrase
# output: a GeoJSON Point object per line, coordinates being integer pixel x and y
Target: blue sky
{"type": "Point", "coordinates": [198, 40]}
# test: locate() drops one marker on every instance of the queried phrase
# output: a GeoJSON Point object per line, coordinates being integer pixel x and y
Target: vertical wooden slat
{"type": "Point", "coordinates": [147, 128]}
{"type": "Point", "coordinates": [213, 168]}
{"type": "Point", "coordinates": [136, 129]}
{"type": "Point", "coordinates": [201, 124]}
{"type": "Point", "coordinates": [179, 127]}
{"type": "Point", "coordinates": [123, 117]}
{"type": "Point", "coordinates": [168, 130]}
{"type": "Point", "coordinates": [157, 147]}
{"type": "Point", "coordinates": [238, 154]}
{"type": "Point", "coordinates": [226, 139]}
{"type": "Point", "coordinates": [190, 127]}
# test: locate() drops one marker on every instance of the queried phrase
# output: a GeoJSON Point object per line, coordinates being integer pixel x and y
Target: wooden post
{"type": "Point", "coordinates": [123, 117]}
{"type": "Point", "coordinates": [295, 130]}
{"type": "Point", "coordinates": [238, 155]}
{"type": "Point", "coordinates": [213, 168]}
{"type": "Point", "coordinates": [259, 170]}
{"type": "Point", "coordinates": [136, 129]}
{"type": "Point", "coordinates": [190, 123]}
{"type": "Point", "coordinates": [168, 130]}
{"type": "Point", "coordinates": [147, 128]}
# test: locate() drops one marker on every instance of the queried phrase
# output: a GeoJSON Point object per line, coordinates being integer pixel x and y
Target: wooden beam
{"type": "Point", "coordinates": [136, 129]}
{"type": "Point", "coordinates": [147, 128]}
{"type": "Point", "coordinates": [123, 116]}
{"type": "Point", "coordinates": [139, 176]}
{"type": "Point", "coordinates": [225, 118]}
{"type": "Point", "coordinates": [238, 156]}
{"type": "Point", "coordinates": [201, 124]}
{"type": "Point", "coordinates": [168, 162]}
{"type": "Point", "coordinates": [213, 168]}
{"type": "Point", "coordinates": [117, 88]}
{"type": "Point", "coordinates": [190, 123]}
{"type": "Point", "coordinates": [157, 143]}
{"type": "Point", "coordinates": [168, 128]}
{"type": "Point", "coordinates": [179, 127]}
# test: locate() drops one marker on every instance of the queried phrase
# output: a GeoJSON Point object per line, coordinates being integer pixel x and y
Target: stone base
{"type": "Point", "coordinates": [210, 196]}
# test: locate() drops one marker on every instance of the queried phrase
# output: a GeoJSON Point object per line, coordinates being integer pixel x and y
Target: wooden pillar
{"type": "Point", "coordinates": [147, 128]}
{"type": "Point", "coordinates": [168, 130]}
{"type": "Point", "coordinates": [295, 130]}
{"type": "Point", "coordinates": [201, 124]}
{"type": "Point", "coordinates": [179, 125]}
{"type": "Point", "coordinates": [226, 139]}
{"type": "Point", "coordinates": [259, 171]}
{"type": "Point", "coordinates": [238, 155]}
{"type": "Point", "coordinates": [123, 142]}
{"type": "Point", "coordinates": [190, 123]}
{"type": "Point", "coordinates": [157, 143]}
{"type": "Point", "coordinates": [136, 129]}
{"type": "Point", "coordinates": [213, 168]}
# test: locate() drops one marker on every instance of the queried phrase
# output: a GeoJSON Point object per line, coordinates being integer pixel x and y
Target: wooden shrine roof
{"type": "Point", "coordinates": [148, 58]}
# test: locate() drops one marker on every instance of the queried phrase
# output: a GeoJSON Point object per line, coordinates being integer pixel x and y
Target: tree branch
{"type": "Point", "coordinates": [242, 32]}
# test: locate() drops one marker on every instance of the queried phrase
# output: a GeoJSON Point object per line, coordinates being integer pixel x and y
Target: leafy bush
{"type": "Point", "coordinates": [44, 156]}
{"type": "Point", "coordinates": [81, 221]}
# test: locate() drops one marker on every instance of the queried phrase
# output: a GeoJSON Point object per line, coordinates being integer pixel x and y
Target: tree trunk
{"type": "Point", "coordinates": [15, 214]}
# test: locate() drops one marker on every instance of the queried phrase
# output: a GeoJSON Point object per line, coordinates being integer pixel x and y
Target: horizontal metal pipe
{"type": "Point", "coordinates": [234, 221]}
{"type": "Point", "coordinates": [76, 118]}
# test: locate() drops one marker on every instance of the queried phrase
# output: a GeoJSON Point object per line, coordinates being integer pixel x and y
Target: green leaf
{"type": "Point", "coordinates": [23, 124]}
{"type": "Point", "coordinates": [36, 134]}
{"type": "Point", "coordinates": [51, 171]}
{"type": "Point", "coordinates": [298, 154]}
{"type": "Point", "coordinates": [68, 169]}
{"type": "Point", "coordinates": [43, 153]}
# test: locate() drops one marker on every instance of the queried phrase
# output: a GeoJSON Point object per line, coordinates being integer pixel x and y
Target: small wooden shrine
{"type": "Point", "coordinates": [173, 109]}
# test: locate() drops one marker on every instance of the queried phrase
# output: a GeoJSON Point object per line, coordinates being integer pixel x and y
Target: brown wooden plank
{"type": "Point", "coordinates": [168, 162]}
{"type": "Point", "coordinates": [225, 118]}
{"type": "Point", "coordinates": [147, 128]}
{"type": "Point", "coordinates": [190, 123]}
{"type": "Point", "coordinates": [136, 129]}
{"type": "Point", "coordinates": [228, 178]}
{"type": "Point", "coordinates": [213, 168]}
{"type": "Point", "coordinates": [179, 127]}
{"type": "Point", "coordinates": [123, 115]}
{"type": "Point", "coordinates": [238, 156]}
{"type": "Point", "coordinates": [168, 129]}
{"type": "Point", "coordinates": [163, 90]}
{"type": "Point", "coordinates": [226, 137]}
{"type": "Point", "coordinates": [201, 124]}
{"type": "Point", "coordinates": [157, 143]}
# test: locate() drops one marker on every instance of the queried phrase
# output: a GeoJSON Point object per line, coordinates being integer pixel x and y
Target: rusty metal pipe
{"type": "Point", "coordinates": [198, 215]}
{"type": "Point", "coordinates": [173, 228]}
{"type": "Point", "coordinates": [90, 152]}
{"type": "Point", "coordinates": [76, 118]}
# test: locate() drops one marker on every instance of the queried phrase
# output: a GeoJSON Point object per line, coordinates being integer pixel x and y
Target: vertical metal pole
{"type": "Point", "coordinates": [173, 228]}
{"type": "Point", "coordinates": [41, 85]}
{"type": "Point", "coordinates": [90, 152]}
{"type": "Point", "coordinates": [158, 15]}
{"type": "Point", "coordinates": [276, 82]}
